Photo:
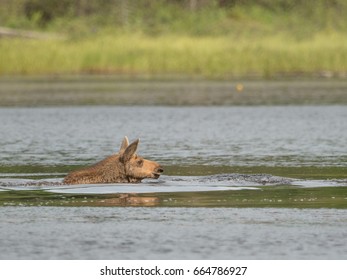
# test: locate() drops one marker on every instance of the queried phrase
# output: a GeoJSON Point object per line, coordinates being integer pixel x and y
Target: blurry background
{"type": "Point", "coordinates": [212, 39]}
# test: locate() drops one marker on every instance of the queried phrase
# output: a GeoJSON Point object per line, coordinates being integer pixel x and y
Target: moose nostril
{"type": "Point", "coordinates": [160, 170]}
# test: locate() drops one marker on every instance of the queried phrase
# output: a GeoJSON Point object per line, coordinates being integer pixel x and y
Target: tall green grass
{"type": "Point", "coordinates": [207, 56]}
{"type": "Point", "coordinates": [244, 38]}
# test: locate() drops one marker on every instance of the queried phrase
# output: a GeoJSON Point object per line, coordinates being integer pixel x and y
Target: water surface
{"type": "Point", "coordinates": [252, 182]}
{"type": "Point", "coordinates": [172, 233]}
{"type": "Point", "coordinates": [203, 149]}
{"type": "Point", "coordinates": [214, 136]}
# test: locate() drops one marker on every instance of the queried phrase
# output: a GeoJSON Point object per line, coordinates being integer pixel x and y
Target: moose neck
{"type": "Point", "coordinates": [123, 168]}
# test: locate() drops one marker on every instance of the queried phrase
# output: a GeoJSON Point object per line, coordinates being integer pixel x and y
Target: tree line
{"type": "Point", "coordinates": [44, 11]}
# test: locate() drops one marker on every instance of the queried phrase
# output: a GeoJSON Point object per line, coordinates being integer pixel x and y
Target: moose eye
{"type": "Point", "coordinates": [139, 162]}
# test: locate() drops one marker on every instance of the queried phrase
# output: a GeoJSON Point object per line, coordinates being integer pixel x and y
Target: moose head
{"type": "Point", "coordinates": [124, 167]}
{"type": "Point", "coordinates": [136, 167]}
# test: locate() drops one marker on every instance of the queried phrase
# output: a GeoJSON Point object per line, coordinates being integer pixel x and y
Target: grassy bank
{"type": "Point", "coordinates": [206, 56]}
{"type": "Point", "coordinates": [211, 39]}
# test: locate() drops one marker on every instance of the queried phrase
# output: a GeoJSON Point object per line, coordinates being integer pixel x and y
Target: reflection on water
{"type": "Point", "coordinates": [222, 190]}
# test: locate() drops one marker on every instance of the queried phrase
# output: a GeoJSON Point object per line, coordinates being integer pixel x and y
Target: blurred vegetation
{"type": "Point", "coordinates": [216, 39]}
{"type": "Point", "coordinates": [189, 17]}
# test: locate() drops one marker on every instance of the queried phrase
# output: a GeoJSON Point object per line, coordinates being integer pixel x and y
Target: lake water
{"type": "Point", "coordinates": [214, 136]}
{"type": "Point", "coordinates": [172, 233]}
{"type": "Point", "coordinates": [250, 182]}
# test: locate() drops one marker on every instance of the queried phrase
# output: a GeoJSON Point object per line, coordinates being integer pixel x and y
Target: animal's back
{"type": "Point", "coordinates": [105, 171]}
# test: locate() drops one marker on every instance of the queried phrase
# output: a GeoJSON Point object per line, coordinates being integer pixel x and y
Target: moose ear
{"type": "Point", "coordinates": [125, 144]}
{"type": "Point", "coordinates": [130, 151]}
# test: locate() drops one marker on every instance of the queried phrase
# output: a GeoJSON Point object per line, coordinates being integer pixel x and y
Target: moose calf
{"type": "Point", "coordinates": [124, 167]}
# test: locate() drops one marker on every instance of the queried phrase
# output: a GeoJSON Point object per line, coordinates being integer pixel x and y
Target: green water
{"type": "Point", "coordinates": [281, 197]}
{"type": "Point", "coordinates": [320, 187]}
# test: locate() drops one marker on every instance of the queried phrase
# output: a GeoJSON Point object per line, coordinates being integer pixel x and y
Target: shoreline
{"type": "Point", "coordinates": [111, 91]}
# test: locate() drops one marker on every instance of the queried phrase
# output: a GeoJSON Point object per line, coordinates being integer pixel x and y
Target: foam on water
{"type": "Point", "coordinates": [219, 182]}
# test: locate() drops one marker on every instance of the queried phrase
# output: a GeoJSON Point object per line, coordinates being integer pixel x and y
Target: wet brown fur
{"type": "Point", "coordinates": [123, 167]}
